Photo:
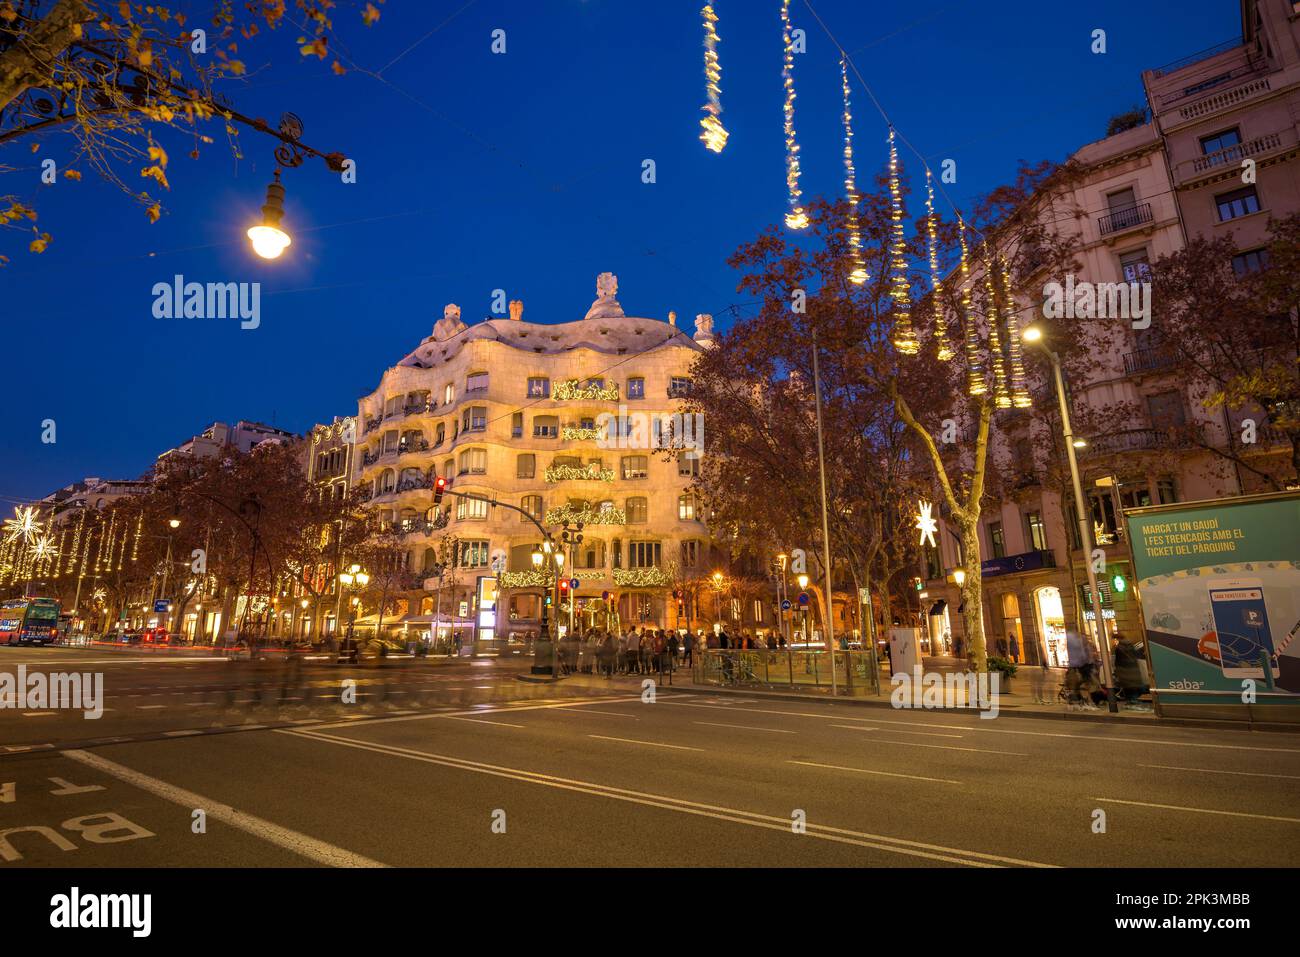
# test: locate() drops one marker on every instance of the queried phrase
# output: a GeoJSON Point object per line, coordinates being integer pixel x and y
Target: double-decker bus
{"type": "Point", "coordinates": [29, 621]}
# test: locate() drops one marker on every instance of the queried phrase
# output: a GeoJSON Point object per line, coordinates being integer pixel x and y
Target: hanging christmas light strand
{"type": "Point", "coordinates": [1015, 358]}
{"type": "Point", "coordinates": [975, 384]}
{"type": "Point", "coordinates": [135, 545]}
{"type": "Point", "coordinates": [936, 284]}
{"type": "Point", "coordinates": [1000, 394]}
{"type": "Point", "coordinates": [904, 336]}
{"type": "Point", "coordinates": [858, 274]}
{"type": "Point", "coordinates": [714, 135]}
{"type": "Point", "coordinates": [796, 218]}
{"type": "Point", "coordinates": [76, 541]}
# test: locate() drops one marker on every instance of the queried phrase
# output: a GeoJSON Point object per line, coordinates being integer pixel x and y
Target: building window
{"type": "Point", "coordinates": [474, 419]}
{"type": "Point", "coordinates": [758, 612]}
{"type": "Point", "coordinates": [1135, 266]}
{"type": "Point", "coordinates": [679, 386]}
{"type": "Point", "coordinates": [616, 551]}
{"type": "Point", "coordinates": [517, 425]}
{"type": "Point", "coordinates": [637, 511]}
{"type": "Point", "coordinates": [636, 466]}
{"type": "Point", "coordinates": [1238, 203]}
{"type": "Point", "coordinates": [476, 382]}
{"type": "Point", "coordinates": [1166, 491]}
{"type": "Point", "coordinates": [534, 506]}
{"type": "Point", "coordinates": [997, 542]}
{"type": "Point", "coordinates": [1219, 141]}
{"type": "Point", "coordinates": [473, 554]}
{"type": "Point", "coordinates": [539, 387]}
{"type": "Point", "coordinates": [688, 464]}
{"type": "Point", "coordinates": [1250, 261]}
{"type": "Point", "coordinates": [643, 554]}
{"type": "Point", "coordinates": [1134, 495]}
{"type": "Point", "coordinates": [1037, 531]}
{"type": "Point", "coordinates": [473, 462]}
{"type": "Point", "coordinates": [546, 427]}
{"type": "Point", "coordinates": [473, 507]}
{"type": "Point", "coordinates": [1165, 410]}
{"type": "Point", "coordinates": [390, 441]}
{"type": "Point", "coordinates": [690, 554]}
{"type": "Point", "coordinates": [1105, 529]}
{"type": "Point", "coordinates": [686, 507]}
{"type": "Point", "coordinates": [526, 466]}
{"type": "Point", "coordinates": [440, 433]}
{"type": "Point", "coordinates": [636, 388]}
{"type": "Point", "coordinates": [448, 394]}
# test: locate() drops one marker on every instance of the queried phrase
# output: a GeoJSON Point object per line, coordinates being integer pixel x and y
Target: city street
{"type": "Point", "coordinates": [458, 763]}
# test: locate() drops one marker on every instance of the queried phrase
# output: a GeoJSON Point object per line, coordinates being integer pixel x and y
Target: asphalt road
{"type": "Point", "coordinates": [459, 764]}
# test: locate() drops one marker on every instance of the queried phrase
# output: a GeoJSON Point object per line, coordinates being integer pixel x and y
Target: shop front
{"type": "Point", "coordinates": [1050, 614]}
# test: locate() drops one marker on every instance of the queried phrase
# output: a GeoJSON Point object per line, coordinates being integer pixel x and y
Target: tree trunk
{"type": "Point", "coordinates": [972, 597]}
{"type": "Point", "coordinates": [28, 61]}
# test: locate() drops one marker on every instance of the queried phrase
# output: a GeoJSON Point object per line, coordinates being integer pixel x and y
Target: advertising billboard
{"type": "Point", "coordinates": [1219, 586]}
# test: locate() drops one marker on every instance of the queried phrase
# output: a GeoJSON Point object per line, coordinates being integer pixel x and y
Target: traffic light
{"type": "Point", "coordinates": [918, 583]}
{"type": "Point", "coordinates": [439, 486]}
{"type": "Point", "coordinates": [564, 586]}
{"type": "Point", "coordinates": [1119, 583]}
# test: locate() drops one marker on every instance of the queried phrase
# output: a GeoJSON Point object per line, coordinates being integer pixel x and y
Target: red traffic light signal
{"type": "Point", "coordinates": [564, 585]}
{"type": "Point", "coordinates": [439, 486]}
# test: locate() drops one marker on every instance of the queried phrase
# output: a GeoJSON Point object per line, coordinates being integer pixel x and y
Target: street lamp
{"type": "Point", "coordinates": [354, 576]}
{"type": "Point", "coordinates": [268, 239]}
{"type": "Point", "coordinates": [1035, 335]}
{"type": "Point", "coordinates": [959, 576]}
{"type": "Point", "coordinates": [717, 599]}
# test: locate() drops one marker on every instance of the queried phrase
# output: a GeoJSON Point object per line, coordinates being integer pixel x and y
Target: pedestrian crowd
{"type": "Point", "coordinates": [643, 651]}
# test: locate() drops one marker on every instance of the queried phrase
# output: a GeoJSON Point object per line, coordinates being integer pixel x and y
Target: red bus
{"type": "Point", "coordinates": [29, 621]}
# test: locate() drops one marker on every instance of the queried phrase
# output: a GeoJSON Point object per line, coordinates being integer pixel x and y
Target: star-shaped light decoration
{"type": "Point", "coordinates": [44, 548]}
{"type": "Point", "coordinates": [927, 524]}
{"type": "Point", "coordinates": [24, 524]}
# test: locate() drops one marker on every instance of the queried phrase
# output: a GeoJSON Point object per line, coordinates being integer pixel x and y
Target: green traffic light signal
{"type": "Point", "coordinates": [1119, 583]}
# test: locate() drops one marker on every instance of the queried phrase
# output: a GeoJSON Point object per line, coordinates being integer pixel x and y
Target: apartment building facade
{"type": "Point", "coordinates": [1150, 440]}
{"type": "Point", "coordinates": [556, 419]}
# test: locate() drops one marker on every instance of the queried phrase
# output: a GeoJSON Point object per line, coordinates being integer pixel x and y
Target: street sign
{"type": "Point", "coordinates": [160, 604]}
{"type": "Point", "coordinates": [573, 583]}
{"type": "Point", "coordinates": [785, 604]}
{"type": "Point", "coordinates": [803, 598]}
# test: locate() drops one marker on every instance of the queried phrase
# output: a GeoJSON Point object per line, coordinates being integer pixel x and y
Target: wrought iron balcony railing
{"type": "Point", "coordinates": [1126, 218]}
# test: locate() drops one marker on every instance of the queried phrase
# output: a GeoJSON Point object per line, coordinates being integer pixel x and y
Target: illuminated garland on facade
{"type": "Point", "coordinates": [568, 515]}
{"type": "Point", "coordinates": [651, 577]}
{"type": "Point", "coordinates": [796, 218]}
{"type": "Point", "coordinates": [570, 389]}
{"type": "Point", "coordinates": [578, 473]}
{"type": "Point", "coordinates": [975, 383]}
{"type": "Point", "coordinates": [714, 135]}
{"type": "Point", "coordinates": [1019, 392]}
{"type": "Point", "coordinates": [904, 336]}
{"type": "Point", "coordinates": [571, 433]}
{"type": "Point", "coordinates": [936, 284]}
{"type": "Point", "coordinates": [858, 274]}
{"type": "Point", "coordinates": [135, 546]}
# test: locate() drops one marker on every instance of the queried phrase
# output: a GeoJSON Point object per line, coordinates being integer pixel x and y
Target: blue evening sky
{"type": "Point", "coordinates": [520, 172]}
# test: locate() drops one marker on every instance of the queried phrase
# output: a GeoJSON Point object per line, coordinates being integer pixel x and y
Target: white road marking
{"type": "Point", "coordinates": [39, 714]}
{"type": "Point", "coordinates": [301, 844]}
{"type": "Point", "coordinates": [1201, 810]}
{"type": "Point", "coordinates": [918, 744]}
{"type": "Point", "coordinates": [613, 714]}
{"type": "Point", "coordinates": [653, 744]}
{"type": "Point", "coordinates": [499, 724]}
{"type": "Point", "coordinates": [179, 734]}
{"type": "Point", "coordinates": [1096, 739]}
{"type": "Point", "coordinates": [888, 774]}
{"type": "Point", "coordinates": [745, 727]}
{"type": "Point", "coordinates": [150, 707]}
{"type": "Point", "coordinates": [822, 832]}
{"type": "Point", "coordinates": [1249, 774]}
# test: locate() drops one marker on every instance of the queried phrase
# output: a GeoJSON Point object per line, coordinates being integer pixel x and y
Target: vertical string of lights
{"type": "Point", "coordinates": [1001, 396]}
{"type": "Point", "coordinates": [135, 545]}
{"type": "Point", "coordinates": [714, 135]}
{"type": "Point", "coordinates": [76, 541]}
{"type": "Point", "coordinates": [858, 274]}
{"type": "Point", "coordinates": [796, 218]}
{"type": "Point", "coordinates": [121, 553]}
{"type": "Point", "coordinates": [904, 336]}
{"type": "Point", "coordinates": [57, 563]}
{"type": "Point", "coordinates": [936, 284]}
{"type": "Point", "coordinates": [975, 384]}
{"type": "Point", "coordinates": [1019, 391]}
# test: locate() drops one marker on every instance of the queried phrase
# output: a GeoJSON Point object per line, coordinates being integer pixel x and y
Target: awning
{"type": "Point", "coordinates": [938, 607]}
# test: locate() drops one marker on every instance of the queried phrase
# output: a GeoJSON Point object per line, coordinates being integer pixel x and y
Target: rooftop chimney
{"type": "Point", "coordinates": [516, 309]}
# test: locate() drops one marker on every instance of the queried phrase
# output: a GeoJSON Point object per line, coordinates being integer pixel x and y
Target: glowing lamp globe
{"type": "Point", "coordinates": [269, 241]}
